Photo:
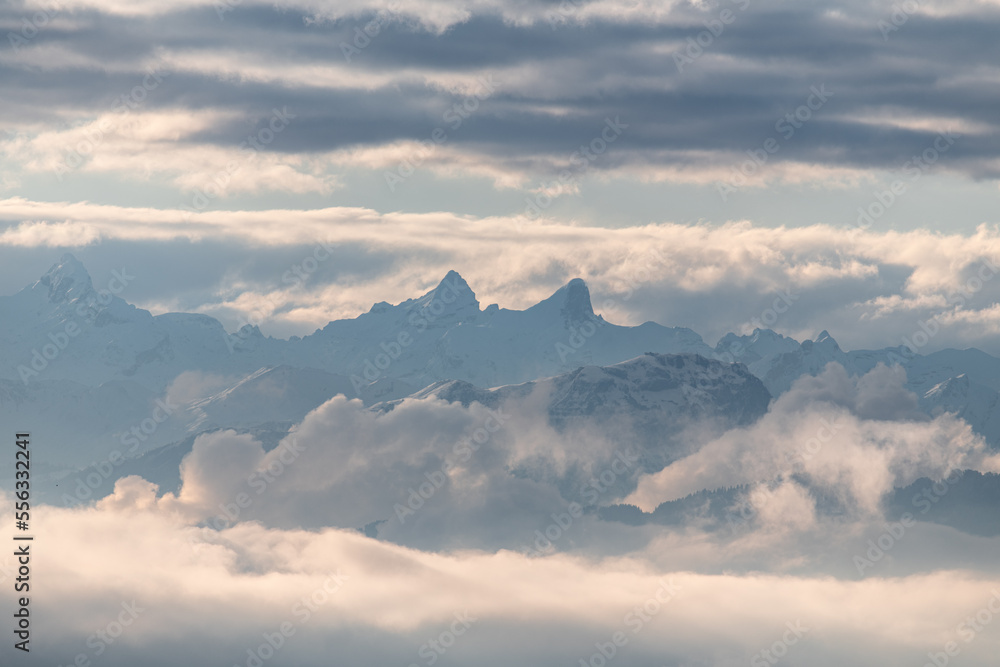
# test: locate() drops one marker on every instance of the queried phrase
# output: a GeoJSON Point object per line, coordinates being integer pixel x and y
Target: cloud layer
{"type": "Point", "coordinates": [882, 286]}
{"type": "Point", "coordinates": [696, 86]}
{"type": "Point", "coordinates": [285, 164]}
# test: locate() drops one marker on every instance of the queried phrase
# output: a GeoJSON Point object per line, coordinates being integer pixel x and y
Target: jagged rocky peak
{"type": "Point", "coordinates": [824, 341]}
{"type": "Point", "coordinates": [451, 295]}
{"type": "Point", "coordinates": [452, 298]}
{"type": "Point", "coordinates": [825, 338]}
{"type": "Point", "coordinates": [571, 302]}
{"type": "Point", "coordinates": [67, 280]}
{"type": "Point", "coordinates": [577, 300]}
{"type": "Point", "coordinates": [759, 335]}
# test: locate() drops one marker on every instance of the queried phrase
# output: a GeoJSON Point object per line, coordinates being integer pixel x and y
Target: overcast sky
{"type": "Point", "coordinates": [801, 165]}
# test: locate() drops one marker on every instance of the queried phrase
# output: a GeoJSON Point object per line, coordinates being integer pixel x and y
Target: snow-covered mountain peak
{"type": "Point", "coordinates": [661, 389]}
{"type": "Point", "coordinates": [956, 387]}
{"type": "Point", "coordinates": [452, 296]}
{"type": "Point", "coordinates": [826, 342]}
{"type": "Point", "coordinates": [760, 344]}
{"type": "Point", "coordinates": [66, 280]}
{"type": "Point", "coordinates": [571, 303]}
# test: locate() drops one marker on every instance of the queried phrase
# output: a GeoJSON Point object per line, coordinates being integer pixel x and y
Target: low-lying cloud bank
{"type": "Point", "coordinates": [242, 567]}
{"type": "Point", "coordinates": [869, 288]}
{"type": "Point", "coordinates": [175, 593]}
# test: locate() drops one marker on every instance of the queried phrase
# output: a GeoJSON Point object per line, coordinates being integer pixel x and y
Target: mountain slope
{"type": "Point", "coordinates": [441, 335]}
{"type": "Point", "coordinates": [65, 344]}
{"type": "Point", "coordinates": [642, 403]}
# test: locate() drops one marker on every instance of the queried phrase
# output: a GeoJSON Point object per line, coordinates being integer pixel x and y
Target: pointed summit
{"type": "Point", "coordinates": [455, 282]}
{"type": "Point", "coordinates": [571, 301]}
{"type": "Point", "coordinates": [452, 295]}
{"type": "Point", "coordinates": [577, 304]}
{"type": "Point", "coordinates": [67, 280]}
{"type": "Point", "coordinates": [826, 340]}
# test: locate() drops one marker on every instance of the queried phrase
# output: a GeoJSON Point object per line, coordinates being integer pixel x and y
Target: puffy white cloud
{"type": "Point", "coordinates": [433, 474]}
{"type": "Point", "coordinates": [856, 438]}
{"type": "Point", "coordinates": [196, 594]}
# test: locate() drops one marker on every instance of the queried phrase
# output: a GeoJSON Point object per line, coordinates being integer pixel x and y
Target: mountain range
{"type": "Point", "coordinates": [94, 375]}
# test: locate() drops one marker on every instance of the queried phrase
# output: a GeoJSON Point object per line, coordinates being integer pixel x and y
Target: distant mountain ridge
{"type": "Point", "coordinates": [69, 349]}
{"type": "Point", "coordinates": [441, 335]}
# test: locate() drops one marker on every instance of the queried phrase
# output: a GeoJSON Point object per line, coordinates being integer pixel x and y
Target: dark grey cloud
{"type": "Point", "coordinates": [726, 101]}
